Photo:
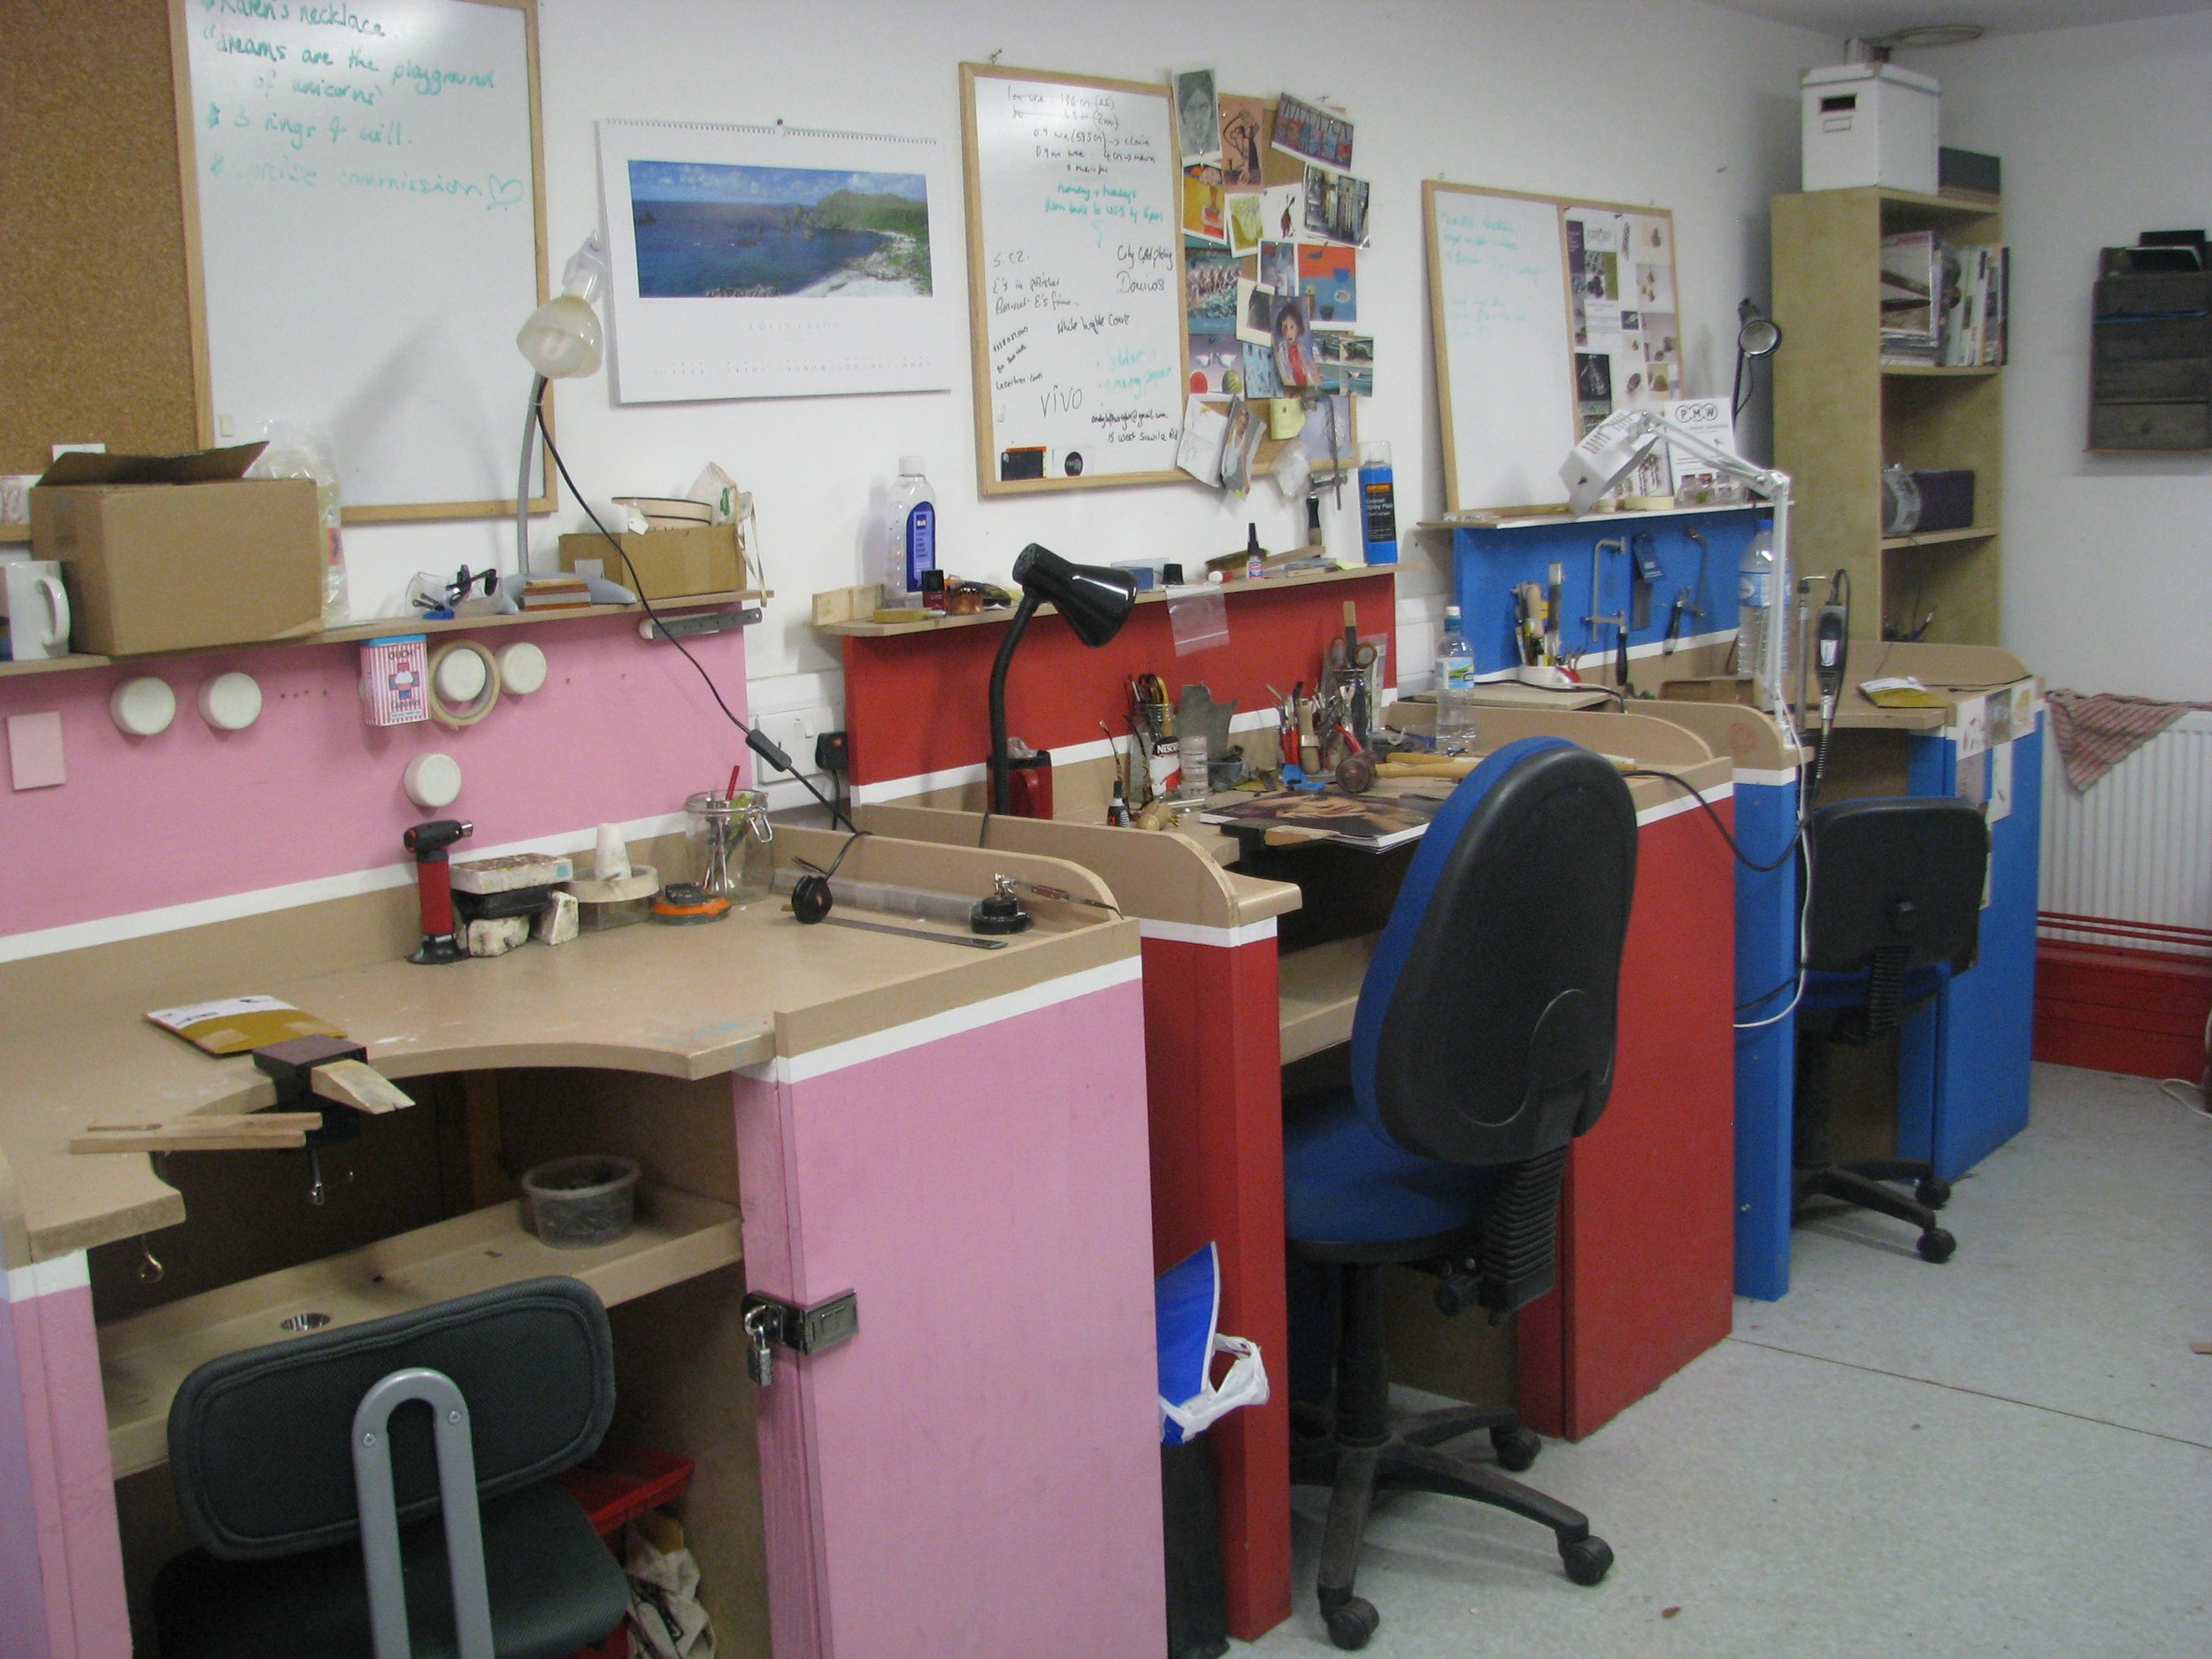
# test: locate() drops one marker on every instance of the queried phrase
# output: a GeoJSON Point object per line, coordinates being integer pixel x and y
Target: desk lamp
{"type": "Point", "coordinates": [1757, 335]}
{"type": "Point", "coordinates": [1616, 443]}
{"type": "Point", "coordinates": [1094, 598]}
{"type": "Point", "coordinates": [562, 340]}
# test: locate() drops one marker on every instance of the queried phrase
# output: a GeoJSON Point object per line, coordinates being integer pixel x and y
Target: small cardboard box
{"type": "Point", "coordinates": [174, 552]}
{"type": "Point", "coordinates": [670, 564]}
{"type": "Point", "coordinates": [1867, 124]}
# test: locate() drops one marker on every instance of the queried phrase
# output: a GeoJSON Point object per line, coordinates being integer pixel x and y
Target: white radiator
{"type": "Point", "coordinates": [2130, 862]}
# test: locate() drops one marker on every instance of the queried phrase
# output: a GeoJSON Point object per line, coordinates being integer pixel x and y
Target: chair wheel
{"type": "Point", "coordinates": [1933, 1191]}
{"type": "Point", "coordinates": [1351, 1622]}
{"type": "Point", "coordinates": [1516, 1448]}
{"type": "Point", "coordinates": [1588, 1559]}
{"type": "Point", "coordinates": [1936, 1245]}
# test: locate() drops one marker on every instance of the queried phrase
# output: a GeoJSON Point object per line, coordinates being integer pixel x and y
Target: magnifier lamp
{"type": "Point", "coordinates": [1757, 335]}
{"type": "Point", "coordinates": [1622, 440]}
{"type": "Point", "coordinates": [562, 340]}
{"type": "Point", "coordinates": [1095, 599]}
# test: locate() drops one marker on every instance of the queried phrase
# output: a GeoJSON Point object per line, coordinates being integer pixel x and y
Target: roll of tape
{"type": "Point", "coordinates": [143, 706]}
{"type": "Point", "coordinates": [230, 702]}
{"type": "Point", "coordinates": [521, 668]}
{"type": "Point", "coordinates": [446, 671]}
{"type": "Point", "coordinates": [433, 780]}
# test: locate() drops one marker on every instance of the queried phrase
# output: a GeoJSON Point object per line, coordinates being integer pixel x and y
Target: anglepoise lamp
{"type": "Point", "coordinates": [1615, 446]}
{"type": "Point", "coordinates": [1094, 598]}
{"type": "Point", "coordinates": [562, 340]}
{"type": "Point", "coordinates": [1757, 335]}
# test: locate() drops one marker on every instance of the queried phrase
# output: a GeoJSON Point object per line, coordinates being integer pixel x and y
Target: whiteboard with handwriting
{"type": "Point", "coordinates": [1505, 355]}
{"type": "Point", "coordinates": [363, 185]}
{"type": "Point", "coordinates": [1074, 280]}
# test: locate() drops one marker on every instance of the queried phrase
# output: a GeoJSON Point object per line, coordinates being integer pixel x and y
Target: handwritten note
{"type": "Point", "coordinates": [1073, 259]}
{"type": "Point", "coordinates": [1504, 353]}
{"type": "Point", "coordinates": [368, 232]}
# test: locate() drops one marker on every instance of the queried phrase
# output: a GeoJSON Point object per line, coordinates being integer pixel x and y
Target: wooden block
{"type": "Point", "coordinates": [351, 1083]}
{"type": "Point", "coordinates": [2158, 338]}
{"type": "Point", "coordinates": [847, 604]}
{"type": "Point", "coordinates": [2151, 427]}
{"type": "Point", "coordinates": [2150, 294]}
{"type": "Point", "coordinates": [212, 1131]}
{"type": "Point", "coordinates": [2154, 380]}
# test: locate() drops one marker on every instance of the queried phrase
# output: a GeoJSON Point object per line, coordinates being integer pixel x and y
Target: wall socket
{"type": "Point", "coordinates": [793, 731]}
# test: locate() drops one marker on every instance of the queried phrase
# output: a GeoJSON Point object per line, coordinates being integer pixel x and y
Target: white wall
{"type": "Point", "coordinates": [2104, 131]}
{"type": "Point", "coordinates": [1667, 101]}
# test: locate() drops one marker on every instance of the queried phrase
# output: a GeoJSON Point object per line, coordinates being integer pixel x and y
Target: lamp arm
{"type": "Point", "coordinates": [1766, 480]}
{"type": "Point", "coordinates": [1001, 786]}
{"type": "Point", "coordinates": [522, 479]}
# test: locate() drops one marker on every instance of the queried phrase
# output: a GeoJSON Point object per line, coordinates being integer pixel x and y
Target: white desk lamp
{"type": "Point", "coordinates": [1623, 438]}
{"type": "Point", "coordinates": [562, 340]}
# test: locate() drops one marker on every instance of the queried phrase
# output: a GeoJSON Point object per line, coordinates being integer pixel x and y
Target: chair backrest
{"type": "Point", "coordinates": [260, 1441]}
{"type": "Point", "coordinates": [1485, 1021]}
{"type": "Point", "coordinates": [1896, 880]}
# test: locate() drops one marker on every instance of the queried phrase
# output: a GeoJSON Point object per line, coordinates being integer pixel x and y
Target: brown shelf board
{"type": "Point", "coordinates": [1319, 993]}
{"type": "Point", "coordinates": [14, 533]}
{"type": "Point", "coordinates": [1964, 204]}
{"type": "Point", "coordinates": [54, 664]}
{"type": "Point", "coordinates": [145, 1358]}
{"type": "Point", "coordinates": [1939, 372]}
{"type": "Point", "coordinates": [1936, 538]}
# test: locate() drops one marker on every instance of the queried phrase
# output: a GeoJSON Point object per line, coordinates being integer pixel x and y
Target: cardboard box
{"type": "Point", "coordinates": [172, 553]}
{"type": "Point", "coordinates": [670, 564]}
{"type": "Point", "coordinates": [1870, 124]}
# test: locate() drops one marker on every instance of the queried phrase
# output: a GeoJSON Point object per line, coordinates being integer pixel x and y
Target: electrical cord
{"type": "Point", "coordinates": [1721, 829]}
{"type": "Point", "coordinates": [761, 746]}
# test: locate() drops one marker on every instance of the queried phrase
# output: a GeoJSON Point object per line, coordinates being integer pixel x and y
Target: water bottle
{"type": "Point", "coordinates": [911, 548]}
{"type": "Point", "coordinates": [297, 450]}
{"type": "Point", "coordinates": [1455, 683]}
{"type": "Point", "coordinates": [1378, 504]}
{"type": "Point", "coordinates": [1755, 612]}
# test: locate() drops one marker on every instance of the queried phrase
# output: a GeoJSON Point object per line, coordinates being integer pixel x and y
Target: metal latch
{"type": "Point", "coordinates": [771, 1322]}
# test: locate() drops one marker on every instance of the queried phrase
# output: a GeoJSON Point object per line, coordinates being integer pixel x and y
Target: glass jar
{"type": "Point", "coordinates": [733, 845]}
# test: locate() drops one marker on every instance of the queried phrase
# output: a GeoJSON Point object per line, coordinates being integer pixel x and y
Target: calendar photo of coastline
{"type": "Point", "coordinates": [709, 231]}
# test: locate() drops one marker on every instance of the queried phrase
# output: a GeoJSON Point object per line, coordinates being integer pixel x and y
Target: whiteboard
{"type": "Point", "coordinates": [1504, 353]}
{"type": "Point", "coordinates": [363, 187]}
{"type": "Point", "coordinates": [1074, 280]}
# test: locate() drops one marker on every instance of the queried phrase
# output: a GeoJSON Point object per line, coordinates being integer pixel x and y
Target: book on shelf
{"type": "Point", "coordinates": [1943, 305]}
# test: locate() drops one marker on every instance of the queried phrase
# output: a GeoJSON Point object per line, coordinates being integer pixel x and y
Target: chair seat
{"type": "Point", "coordinates": [1344, 1184]}
{"type": "Point", "coordinates": [1849, 990]}
{"type": "Point", "coordinates": [555, 1587]}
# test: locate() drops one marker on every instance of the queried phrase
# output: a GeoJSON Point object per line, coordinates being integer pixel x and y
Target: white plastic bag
{"type": "Point", "coordinates": [664, 1611]}
{"type": "Point", "coordinates": [1244, 1384]}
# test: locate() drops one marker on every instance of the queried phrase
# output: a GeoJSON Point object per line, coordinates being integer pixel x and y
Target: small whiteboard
{"type": "Point", "coordinates": [363, 201]}
{"type": "Point", "coordinates": [1075, 280]}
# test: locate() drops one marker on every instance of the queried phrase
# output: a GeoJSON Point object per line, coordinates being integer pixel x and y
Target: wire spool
{"type": "Point", "coordinates": [466, 674]}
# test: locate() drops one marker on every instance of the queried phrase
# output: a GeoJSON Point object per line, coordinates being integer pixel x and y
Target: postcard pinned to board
{"type": "Point", "coordinates": [776, 262]}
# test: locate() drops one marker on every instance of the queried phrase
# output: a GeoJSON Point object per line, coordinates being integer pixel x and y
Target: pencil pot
{"type": "Point", "coordinates": [732, 846]}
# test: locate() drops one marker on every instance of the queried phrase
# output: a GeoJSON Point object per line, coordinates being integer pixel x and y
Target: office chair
{"type": "Point", "coordinates": [1894, 910]}
{"type": "Point", "coordinates": [326, 1523]}
{"type": "Point", "coordinates": [1482, 1045]}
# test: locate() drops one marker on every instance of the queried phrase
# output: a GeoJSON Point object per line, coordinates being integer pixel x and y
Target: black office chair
{"type": "Point", "coordinates": [1893, 911]}
{"type": "Point", "coordinates": [312, 1474]}
{"type": "Point", "coordinates": [1482, 1046]}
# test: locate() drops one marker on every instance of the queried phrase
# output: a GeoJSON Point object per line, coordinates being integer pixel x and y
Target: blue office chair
{"type": "Point", "coordinates": [1894, 911]}
{"type": "Point", "coordinates": [1482, 1046]}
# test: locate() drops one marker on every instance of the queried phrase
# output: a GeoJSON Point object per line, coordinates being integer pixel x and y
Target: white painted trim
{"type": "Point", "coordinates": [838, 1056]}
{"type": "Point", "coordinates": [1190, 934]}
{"type": "Point", "coordinates": [1062, 755]}
{"type": "Point", "coordinates": [1636, 653]}
{"type": "Point", "coordinates": [1766, 780]}
{"type": "Point", "coordinates": [45, 1278]}
{"type": "Point", "coordinates": [320, 889]}
{"type": "Point", "coordinates": [1683, 803]}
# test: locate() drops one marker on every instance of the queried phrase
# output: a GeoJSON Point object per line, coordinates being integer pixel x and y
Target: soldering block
{"type": "Point", "coordinates": [516, 870]}
{"type": "Point", "coordinates": [559, 921]}
{"type": "Point", "coordinates": [498, 935]}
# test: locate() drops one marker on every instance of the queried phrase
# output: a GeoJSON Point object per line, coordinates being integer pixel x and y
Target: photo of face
{"type": "Point", "coordinates": [1293, 349]}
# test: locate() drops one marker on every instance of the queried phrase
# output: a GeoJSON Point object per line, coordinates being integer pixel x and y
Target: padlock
{"type": "Point", "coordinates": [761, 1324]}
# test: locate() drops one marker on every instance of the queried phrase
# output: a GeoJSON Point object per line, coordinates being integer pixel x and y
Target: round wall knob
{"type": "Point", "coordinates": [521, 668]}
{"type": "Point", "coordinates": [462, 676]}
{"type": "Point", "coordinates": [144, 706]}
{"type": "Point", "coordinates": [230, 702]}
{"type": "Point", "coordinates": [433, 780]}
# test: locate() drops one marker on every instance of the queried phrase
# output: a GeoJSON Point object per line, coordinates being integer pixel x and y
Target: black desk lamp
{"type": "Point", "coordinates": [1094, 598]}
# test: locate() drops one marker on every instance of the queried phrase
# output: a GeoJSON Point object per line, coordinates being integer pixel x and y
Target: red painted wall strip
{"type": "Point", "coordinates": [2113, 1007]}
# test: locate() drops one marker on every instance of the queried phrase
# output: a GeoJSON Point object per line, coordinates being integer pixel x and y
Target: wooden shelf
{"type": "Point", "coordinates": [145, 1358]}
{"type": "Point", "coordinates": [1319, 994]}
{"type": "Point", "coordinates": [14, 533]}
{"type": "Point", "coordinates": [1939, 372]}
{"type": "Point", "coordinates": [1911, 209]}
{"type": "Point", "coordinates": [1937, 538]}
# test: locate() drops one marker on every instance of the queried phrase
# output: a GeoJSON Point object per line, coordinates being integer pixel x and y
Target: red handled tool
{"type": "Point", "coordinates": [433, 882]}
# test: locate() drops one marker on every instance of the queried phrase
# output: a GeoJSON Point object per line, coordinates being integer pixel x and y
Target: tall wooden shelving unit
{"type": "Point", "coordinates": [1840, 414]}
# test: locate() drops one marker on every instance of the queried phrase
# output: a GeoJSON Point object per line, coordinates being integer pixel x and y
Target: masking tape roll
{"type": "Point", "coordinates": [441, 676]}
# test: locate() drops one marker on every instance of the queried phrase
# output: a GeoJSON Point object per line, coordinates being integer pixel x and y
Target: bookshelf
{"type": "Point", "coordinates": [1841, 413]}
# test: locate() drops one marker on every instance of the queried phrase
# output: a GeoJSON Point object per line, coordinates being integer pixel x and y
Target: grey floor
{"type": "Point", "coordinates": [2008, 1454]}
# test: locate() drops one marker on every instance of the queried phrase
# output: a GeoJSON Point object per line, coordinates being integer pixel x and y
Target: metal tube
{"type": "Point", "coordinates": [522, 479]}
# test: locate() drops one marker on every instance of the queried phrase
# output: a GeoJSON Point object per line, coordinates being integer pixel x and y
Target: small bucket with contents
{"type": "Point", "coordinates": [732, 846]}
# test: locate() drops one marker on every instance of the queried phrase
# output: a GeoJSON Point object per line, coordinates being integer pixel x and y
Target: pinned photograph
{"type": "Point", "coordinates": [1283, 212]}
{"type": "Point", "coordinates": [1243, 142]}
{"type": "Point", "coordinates": [1204, 213]}
{"type": "Point", "coordinates": [706, 231]}
{"type": "Point", "coordinates": [1209, 291]}
{"type": "Point", "coordinates": [1215, 361]}
{"type": "Point", "coordinates": [1293, 344]}
{"type": "Point", "coordinates": [1197, 117]}
{"type": "Point", "coordinates": [1312, 133]}
{"type": "Point", "coordinates": [1328, 276]}
{"type": "Point", "coordinates": [1239, 445]}
{"type": "Point", "coordinates": [1259, 369]}
{"type": "Point", "coordinates": [1347, 363]}
{"type": "Point", "coordinates": [1279, 262]}
{"type": "Point", "coordinates": [1256, 312]}
{"type": "Point", "coordinates": [1336, 206]}
{"type": "Point", "coordinates": [1593, 388]}
{"type": "Point", "coordinates": [1245, 226]}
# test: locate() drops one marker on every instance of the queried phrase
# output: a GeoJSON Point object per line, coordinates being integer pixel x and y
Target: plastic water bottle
{"type": "Point", "coordinates": [912, 547]}
{"type": "Point", "coordinates": [296, 449]}
{"type": "Point", "coordinates": [1378, 504]}
{"type": "Point", "coordinates": [1755, 612]}
{"type": "Point", "coordinates": [1455, 683]}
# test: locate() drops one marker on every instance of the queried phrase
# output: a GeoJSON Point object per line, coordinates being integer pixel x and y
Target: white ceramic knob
{"type": "Point", "coordinates": [521, 668]}
{"type": "Point", "coordinates": [462, 677]}
{"type": "Point", "coordinates": [143, 706]}
{"type": "Point", "coordinates": [230, 702]}
{"type": "Point", "coordinates": [433, 780]}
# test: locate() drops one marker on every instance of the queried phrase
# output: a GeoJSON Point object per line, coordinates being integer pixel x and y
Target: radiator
{"type": "Point", "coordinates": [2129, 862]}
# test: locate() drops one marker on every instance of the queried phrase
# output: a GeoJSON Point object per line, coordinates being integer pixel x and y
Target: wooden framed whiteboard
{"type": "Point", "coordinates": [364, 231]}
{"type": "Point", "coordinates": [1075, 280]}
{"type": "Point", "coordinates": [1546, 313]}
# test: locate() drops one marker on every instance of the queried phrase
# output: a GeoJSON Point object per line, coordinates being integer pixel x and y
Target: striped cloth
{"type": "Point", "coordinates": [2096, 734]}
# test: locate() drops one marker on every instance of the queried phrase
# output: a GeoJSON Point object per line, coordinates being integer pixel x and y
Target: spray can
{"type": "Point", "coordinates": [1378, 504]}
